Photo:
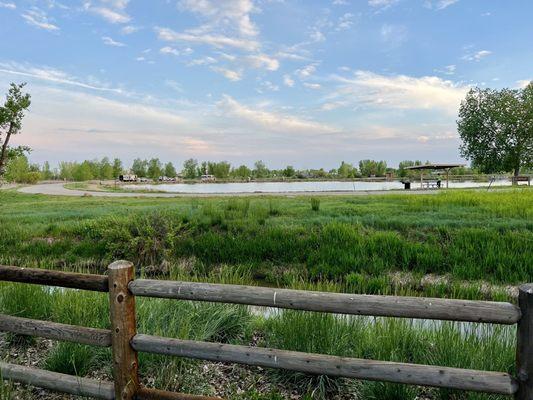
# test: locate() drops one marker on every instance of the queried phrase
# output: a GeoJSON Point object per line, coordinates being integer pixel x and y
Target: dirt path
{"type": "Point", "coordinates": [58, 189]}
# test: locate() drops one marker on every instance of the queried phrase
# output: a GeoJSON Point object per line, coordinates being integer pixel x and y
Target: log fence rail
{"type": "Point", "coordinates": [125, 342]}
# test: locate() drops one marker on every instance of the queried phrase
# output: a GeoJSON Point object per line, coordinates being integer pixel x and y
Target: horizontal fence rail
{"type": "Point", "coordinates": [126, 343]}
{"type": "Point", "coordinates": [58, 382]}
{"type": "Point", "coordinates": [55, 331]}
{"type": "Point", "coordinates": [425, 375]}
{"type": "Point", "coordinates": [38, 276]}
{"type": "Point", "coordinates": [385, 306]}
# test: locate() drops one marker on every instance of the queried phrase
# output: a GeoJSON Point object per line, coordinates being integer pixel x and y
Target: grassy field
{"type": "Point", "coordinates": [464, 244]}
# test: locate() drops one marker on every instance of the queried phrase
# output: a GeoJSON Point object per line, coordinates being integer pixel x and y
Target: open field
{"type": "Point", "coordinates": [464, 244]}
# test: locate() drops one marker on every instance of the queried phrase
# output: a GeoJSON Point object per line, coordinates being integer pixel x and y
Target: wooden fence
{"type": "Point", "coordinates": [125, 342]}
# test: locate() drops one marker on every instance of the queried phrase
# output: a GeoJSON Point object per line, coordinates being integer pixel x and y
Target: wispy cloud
{"type": "Point", "coordinates": [263, 61]}
{"type": "Point", "coordinates": [439, 4]}
{"type": "Point", "coordinates": [230, 74]}
{"type": "Point", "coordinates": [382, 4]}
{"type": "Point", "coordinates": [288, 81]}
{"type": "Point", "coordinates": [110, 42]}
{"type": "Point", "coordinates": [11, 6]}
{"type": "Point", "coordinates": [39, 19]}
{"type": "Point", "coordinates": [218, 41]}
{"type": "Point", "coordinates": [271, 121]}
{"type": "Point", "coordinates": [476, 56]}
{"type": "Point", "coordinates": [110, 10]}
{"type": "Point", "coordinates": [129, 29]}
{"type": "Point", "coordinates": [169, 50]}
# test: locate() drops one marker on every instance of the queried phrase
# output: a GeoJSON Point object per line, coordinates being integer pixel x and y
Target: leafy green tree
{"type": "Point", "coordinates": [117, 168]}
{"type": "Point", "coordinates": [66, 170]}
{"type": "Point", "coordinates": [242, 172]}
{"type": "Point", "coordinates": [190, 168]}
{"type": "Point", "coordinates": [83, 171]}
{"type": "Point", "coordinates": [11, 115]}
{"type": "Point", "coordinates": [346, 170]}
{"type": "Point", "coordinates": [260, 169]}
{"type": "Point", "coordinates": [496, 129]}
{"type": "Point", "coordinates": [219, 169]}
{"type": "Point", "coordinates": [154, 168]}
{"type": "Point", "coordinates": [170, 171]}
{"type": "Point", "coordinates": [106, 169]}
{"type": "Point", "coordinates": [372, 168]}
{"type": "Point", "coordinates": [402, 171]}
{"type": "Point", "coordinates": [139, 167]}
{"type": "Point", "coordinates": [289, 171]}
{"type": "Point", "coordinates": [46, 172]}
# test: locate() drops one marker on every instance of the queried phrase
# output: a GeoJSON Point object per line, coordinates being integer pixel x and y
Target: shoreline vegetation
{"type": "Point", "coordinates": [456, 244]}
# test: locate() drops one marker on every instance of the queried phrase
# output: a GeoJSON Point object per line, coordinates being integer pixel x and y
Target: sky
{"type": "Point", "coordinates": [302, 82]}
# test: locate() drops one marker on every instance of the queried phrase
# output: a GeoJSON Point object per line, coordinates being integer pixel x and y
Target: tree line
{"type": "Point", "coordinates": [19, 169]}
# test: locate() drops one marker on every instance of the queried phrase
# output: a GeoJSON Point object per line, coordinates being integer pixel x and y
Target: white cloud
{"type": "Point", "coordinates": [345, 22]}
{"type": "Point", "coordinates": [112, 16]}
{"type": "Point", "coordinates": [477, 56]}
{"type": "Point", "coordinates": [423, 139]}
{"type": "Point", "coordinates": [521, 84]}
{"type": "Point", "coordinates": [288, 81]}
{"type": "Point", "coordinates": [218, 41]}
{"type": "Point", "coordinates": [10, 6]}
{"type": "Point", "coordinates": [230, 74]}
{"type": "Point", "coordinates": [340, 3]}
{"type": "Point", "coordinates": [394, 35]}
{"type": "Point", "coordinates": [382, 3]}
{"type": "Point", "coordinates": [39, 19]}
{"type": "Point", "coordinates": [317, 36]}
{"type": "Point", "coordinates": [55, 76]}
{"type": "Point", "coordinates": [439, 4]}
{"type": "Point", "coordinates": [110, 42]}
{"type": "Point", "coordinates": [224, 14]}
{"type": "Point", "coordinates": [263, 61]}
{"type": "Point", "coordinates": [203, 61]}
{"type": "Point", "coordinates": [312, 85]}
{"type": "Point", "coordinates": [306, 72]}
{"type": "Point", "coordinates": [399, 91]}
{"type": "Point", "coordinates": [271, 121]}
{"type": "Point", "coordinates": [169, 50]}
{"type": "Point", "coordinates": [129, 29]}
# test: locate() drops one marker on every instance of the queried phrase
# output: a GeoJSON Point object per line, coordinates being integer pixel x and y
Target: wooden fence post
{"type": "Point", "coordinates": [123, 329]}
{"type": "Point", "coordinates": [524, 349]}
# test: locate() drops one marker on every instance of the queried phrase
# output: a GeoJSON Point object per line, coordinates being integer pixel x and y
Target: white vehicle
{"type": "Point", "coordinates": [208, 178]}
{"type": "Point", "coordinates": [127, 178]}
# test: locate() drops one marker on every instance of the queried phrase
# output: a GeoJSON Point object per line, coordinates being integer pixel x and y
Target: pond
{"type": "Point", "coordinates": [295, 187]}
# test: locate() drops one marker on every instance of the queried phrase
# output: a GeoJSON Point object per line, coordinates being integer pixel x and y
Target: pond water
{"type": "Point", "coordinates": [295, 187]}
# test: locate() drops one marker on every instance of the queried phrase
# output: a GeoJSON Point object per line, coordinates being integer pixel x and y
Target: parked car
{"type": "Point", "coordinates": [127, 178]}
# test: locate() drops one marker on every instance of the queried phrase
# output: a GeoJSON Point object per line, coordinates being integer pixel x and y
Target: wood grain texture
{"type": "Point", "coordinates": [53, 330]}
{"type": "Point", "coordinates": [415, 374]}
{"type": "Point", "coordinates": [123, 329]}
{"type": "Point", "coordinates": [387, 306]}
{"type": "Point", "coordinates": [524, 346]}
{"type": "Point", "coordinates": [39, 276]}
{"type": "Point", "coordinates": [155, 394]}
{"type": "Point", "coordinates": [57, 382]}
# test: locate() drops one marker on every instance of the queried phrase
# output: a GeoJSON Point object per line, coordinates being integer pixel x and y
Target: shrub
{"type": "Point", "coordinates": [315, 204]}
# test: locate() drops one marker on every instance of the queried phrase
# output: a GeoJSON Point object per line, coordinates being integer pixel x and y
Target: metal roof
{"type": "Point", "coordinates": [435, 166]}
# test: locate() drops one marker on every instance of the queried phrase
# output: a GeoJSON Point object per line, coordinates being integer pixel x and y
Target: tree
{"type": "Point", "coordinates": [346, 170]}
{"type": "Point", "coordinates": [106, 169]}
{"type": "Point", "coordinates": [170, 171]}
{"type": "Point", "coordinates": [46, 172]}
{"type": "Point", "coordinates": [219, 169]}
{"type": "Point", "coordinates": [242, 172]}
{"type": "Point", "coordinates": [402, 171]}
{"type": "Point", "coordinates": [289, 171]}
{"type": "Point", "coordinates": [190, 168]}
{"type": "Point", "coordinates": [372, 168]}
{"type": "Point", "coordinates": [83, 171]}
{"type": "Point", "coordinates": [154, 168]}
{"type": "Point", "coordinates": [117, 168]}
{"type": "Point", "coordinates": [260, 169]}
{"type": "Point", "coordinates": [11, 115]}
{"type": "Point", "coordinates": [496, 129]}
{"type": "Point", "coordinates": [139, 167]}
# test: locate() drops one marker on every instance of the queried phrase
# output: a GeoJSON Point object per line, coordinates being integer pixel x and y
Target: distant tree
{"type": "Point", "coordinates": [242, 172]}
{"type": "Point", "coordinates": [496, 128]}
{"type": "Point", "coordinates": [117, 168]}
{"type": "Point", "coordinates": [46, 172]}
{"type": "Point", "coordinates": [106, 169]}
{"type": "Point", "coordinates": [154, 168]}
{"type": "Point", "coordinates": [289, 171]}
{"type": "Point", "coordinates": [402, 171]}
{"type": "Point", "coordinates": [190, 168]}
{"type": "Point", "coordinates": [170, 171]}
{"type": "Point", "coordinates": [260, 169]}
{"type": "Point", "coordinates": [66, 170]}
{"type": "Point", "coordinates": [372, 168]}
{"type": "Point", "coordinates": [11, 115]}
{"type": "Point", "coordinates": [346, 170]}
{"type": "Point", "coordinates": [139, 167]}
{"type": "Point", "coordinates": [83, 171]}
{"type": "Point", "coordinates": [219, 169]}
